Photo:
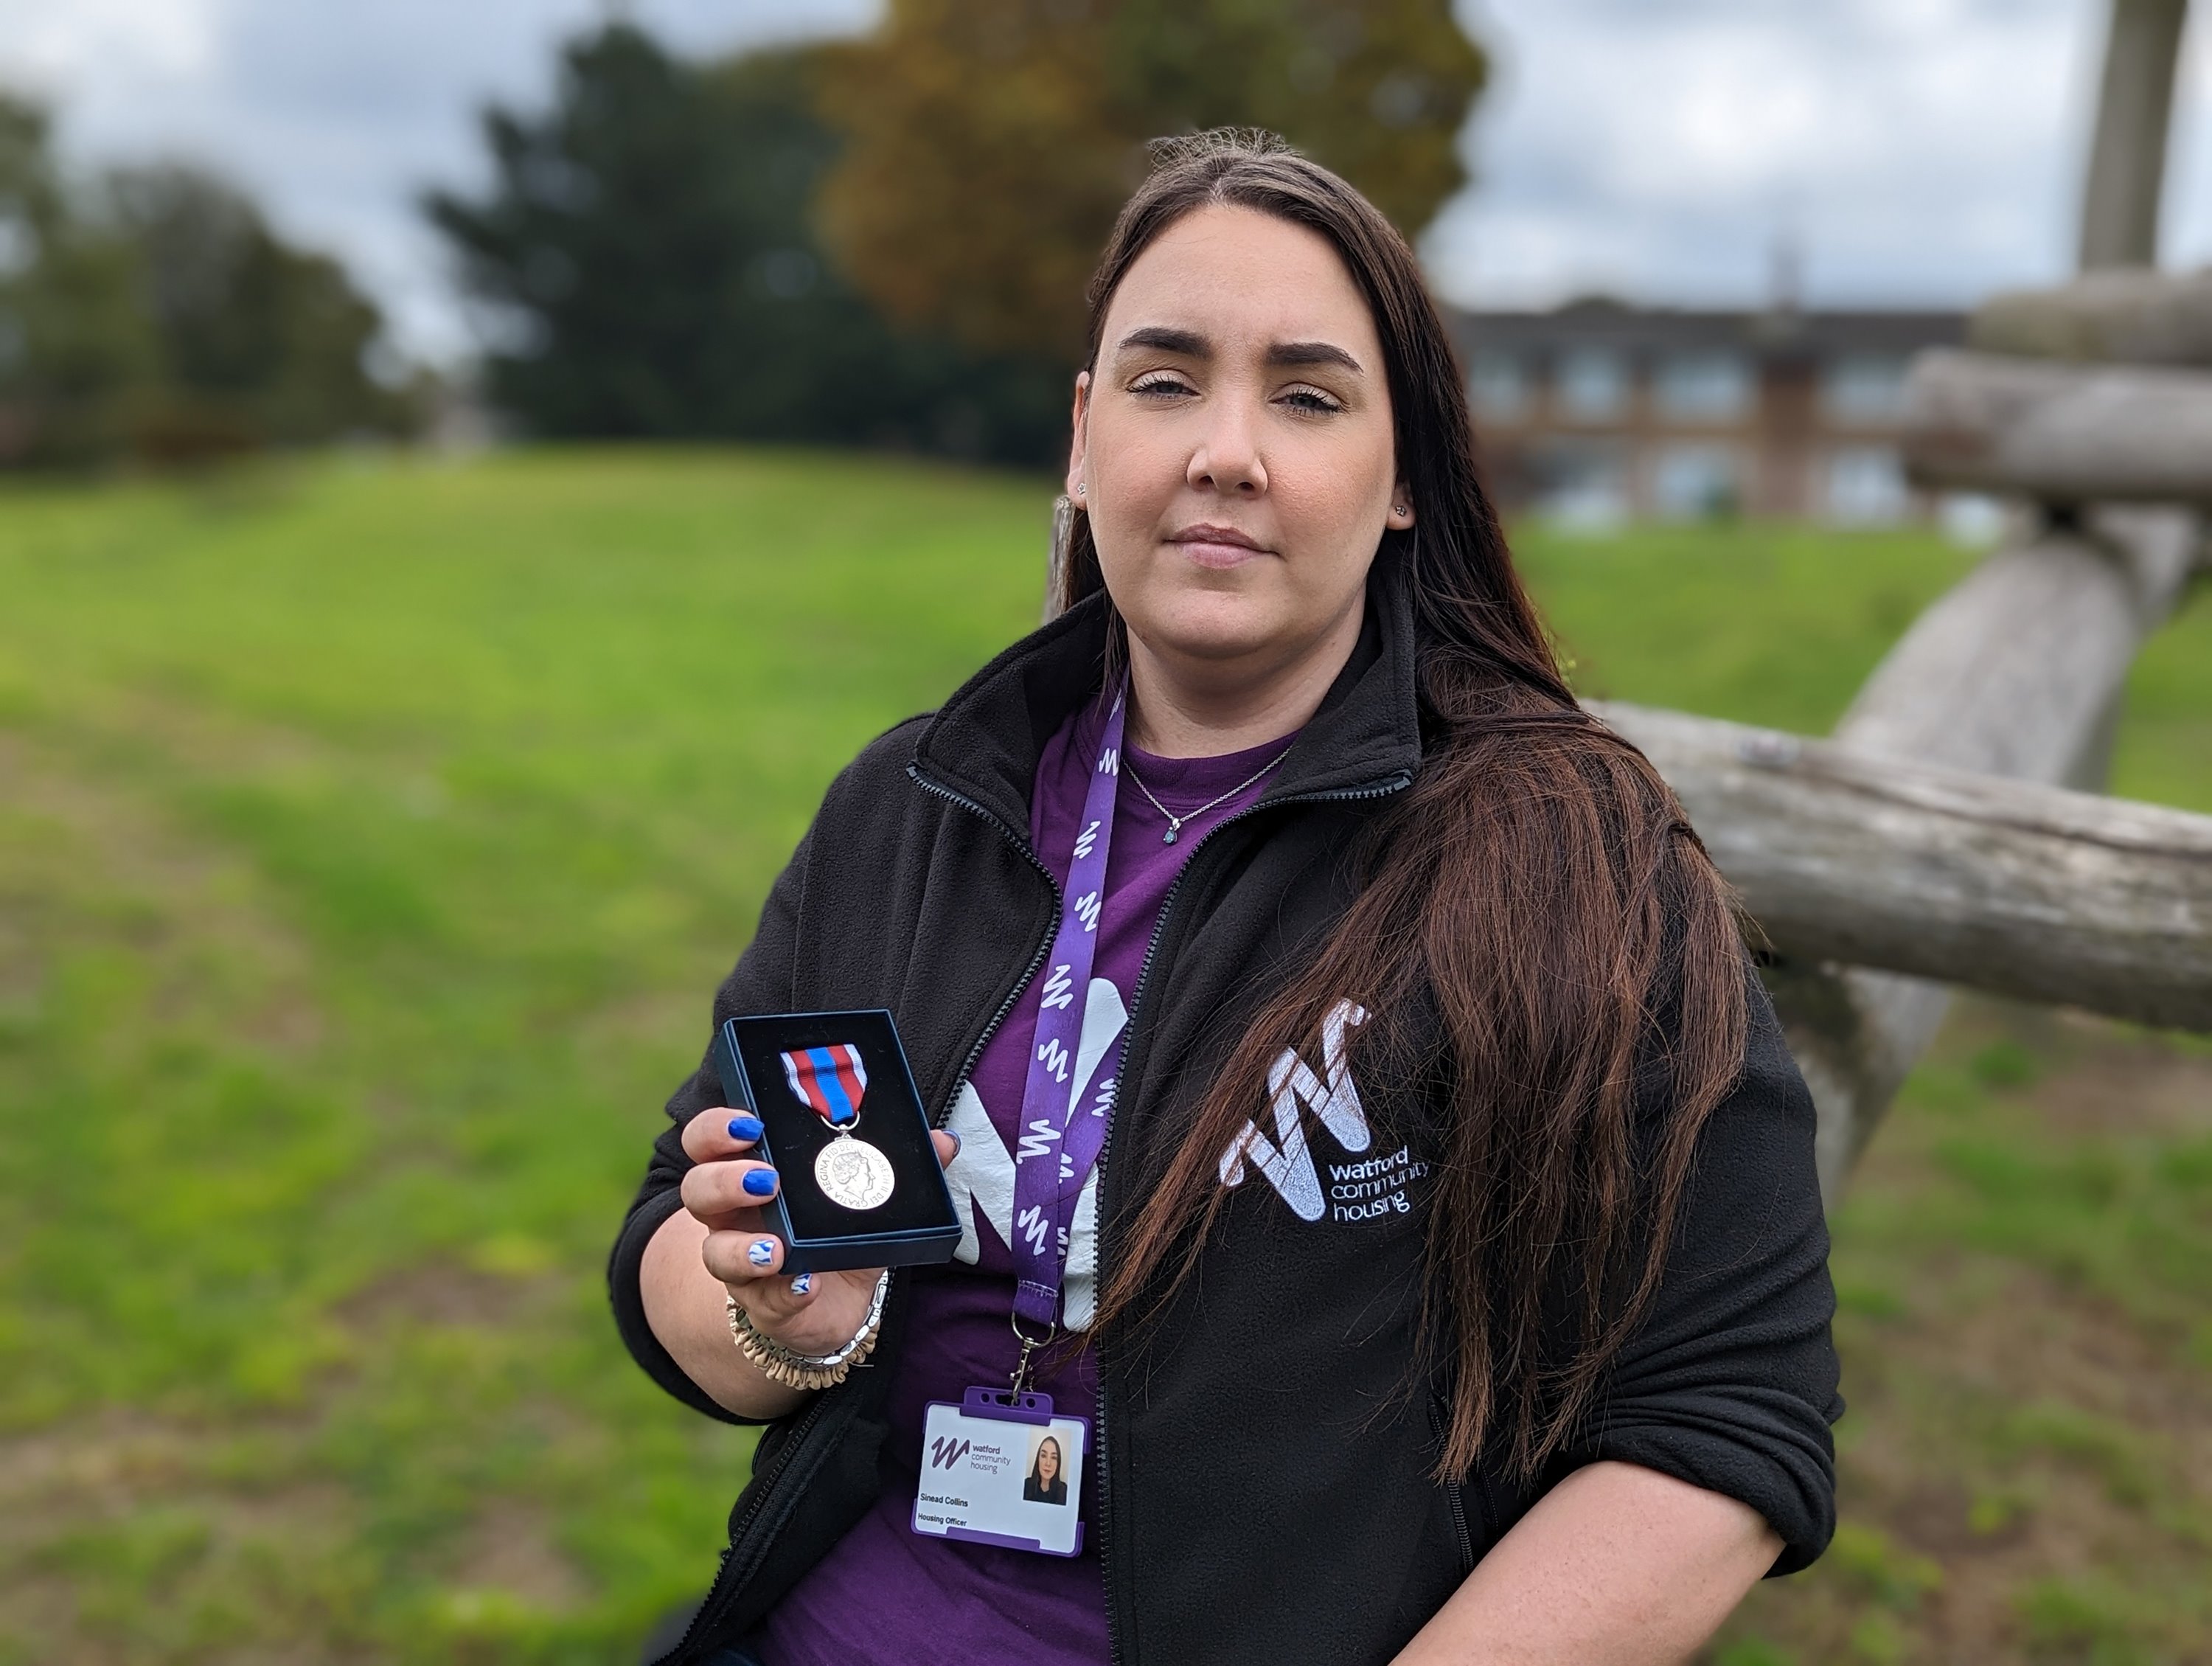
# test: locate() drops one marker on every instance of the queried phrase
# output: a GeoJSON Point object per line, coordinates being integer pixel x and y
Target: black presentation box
{"type": "Point", "coordinates": [917, 1224]}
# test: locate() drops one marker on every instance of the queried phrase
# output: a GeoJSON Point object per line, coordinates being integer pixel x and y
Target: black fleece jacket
{"type": "Point", "coordinates": [1287, 1358]}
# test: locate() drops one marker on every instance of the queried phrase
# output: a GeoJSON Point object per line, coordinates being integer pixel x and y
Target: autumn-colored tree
{"type": "Point", "coordinates": [645, 247]}
{"type": "Point", "coordinates": [989, 143]}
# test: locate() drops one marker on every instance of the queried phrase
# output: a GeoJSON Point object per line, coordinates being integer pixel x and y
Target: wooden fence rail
{"type": "Point", "coordinates": [2016, 672]}
{"type": "Point", "coordinates": [2061, 433]}
{"type": "Point", "coordinates": [2124, 315]}
{"type": "Point", "coordinates": [2029, 892]}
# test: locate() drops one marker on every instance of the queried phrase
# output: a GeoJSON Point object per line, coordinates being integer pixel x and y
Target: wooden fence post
{"type": "Point", "coordinates": [2127, 160]}
{"type": "Point", "coordinates": [2016, 672]}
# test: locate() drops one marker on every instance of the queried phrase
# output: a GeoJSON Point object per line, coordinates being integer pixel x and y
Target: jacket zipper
{"type": "Point", "coordinates": [1379, 789]}
{"type": "Point", "coordinates": [814, 1411]}
{"type": "Point", "coordinates": [722, 1575]}
{"type": "Point", "coordinates": [1459, 1526]}
{"type": "Point", "coordinates": [1045, 943]}
{"type": "Point", "coordinates": [1456, 1496]}
{"type": "Point", "coordinates": [1382, 788]}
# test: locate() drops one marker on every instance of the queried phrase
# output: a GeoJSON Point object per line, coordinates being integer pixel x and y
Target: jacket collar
{"type": "Point", "coordinates": [984, 741]}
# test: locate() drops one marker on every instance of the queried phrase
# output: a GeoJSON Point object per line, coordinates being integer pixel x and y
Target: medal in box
{"type": "Point", "coordinates": [859, 1183]}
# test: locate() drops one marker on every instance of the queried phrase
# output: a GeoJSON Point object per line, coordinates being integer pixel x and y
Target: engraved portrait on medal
{"type": "Point", "coordinates": [854, 1174]}
{"type": "Point", "coordinates": [831, 1082]}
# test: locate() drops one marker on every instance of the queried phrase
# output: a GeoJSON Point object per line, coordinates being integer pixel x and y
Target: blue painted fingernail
{"type": "Point", "coordinates": [761, 1182]}
{"type": "Point", "coordinates": [802, 1284]}
{"type": "Point", "coordinates": [956, 1145]}
{"type": "Point", "coordinates": [744, 1128]}
{"type": "Point", "coordinates": [760, 1251]}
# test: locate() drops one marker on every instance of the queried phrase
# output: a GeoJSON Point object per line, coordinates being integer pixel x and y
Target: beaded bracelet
{"type": "Point", "coordinates": [794, 1370]}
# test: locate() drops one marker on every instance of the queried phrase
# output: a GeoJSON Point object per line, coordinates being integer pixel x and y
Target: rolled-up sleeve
{"type": "Point", "coordinates": [1731, 1382]}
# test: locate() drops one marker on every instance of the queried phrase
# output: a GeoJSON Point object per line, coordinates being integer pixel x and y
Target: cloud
{"type": "Point", "coordinates": [1915, 149]}
{"type": "Point", "coordinates": [336, 114]}
{"type": "Point", "coordinates": [121, 39]}
{"type": "Point", "coordinates": [1919, 149]}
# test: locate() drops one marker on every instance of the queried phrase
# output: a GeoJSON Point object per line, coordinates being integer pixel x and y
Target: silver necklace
{"type": "Point", "coordinates": [1176, 822]}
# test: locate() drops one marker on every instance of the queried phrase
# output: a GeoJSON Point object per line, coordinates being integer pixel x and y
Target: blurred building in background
{"type": "Point", "coordinates": [1601, 411]}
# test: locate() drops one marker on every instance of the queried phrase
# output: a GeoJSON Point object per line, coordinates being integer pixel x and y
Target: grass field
{"type": "Point", "coordinates": [371, 838]}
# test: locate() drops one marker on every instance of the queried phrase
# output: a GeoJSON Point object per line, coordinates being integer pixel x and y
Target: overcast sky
{"type": "Point", "coordinates": [1915, 151]}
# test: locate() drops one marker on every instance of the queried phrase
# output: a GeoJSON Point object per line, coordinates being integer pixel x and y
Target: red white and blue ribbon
{"type": "Point", "coordinates": [1060, 1139]}
{"type": "Point", "coordinates": [829, 1079]}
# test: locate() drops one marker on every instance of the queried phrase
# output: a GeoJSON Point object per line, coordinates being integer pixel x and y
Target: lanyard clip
{"type": "Point", "coordinates": [1030, 1346]}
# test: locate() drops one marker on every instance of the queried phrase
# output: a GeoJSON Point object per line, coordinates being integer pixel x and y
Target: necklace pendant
{"type": "Point", "coordinates": [1169, 837]}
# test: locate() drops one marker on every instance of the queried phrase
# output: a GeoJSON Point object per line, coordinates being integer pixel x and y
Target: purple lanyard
{"type": "Point", "coordinates": [1058, 1138]}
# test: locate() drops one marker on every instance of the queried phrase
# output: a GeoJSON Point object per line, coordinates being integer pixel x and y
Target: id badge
{"type": "Point", "coordinates": [998, 1468]}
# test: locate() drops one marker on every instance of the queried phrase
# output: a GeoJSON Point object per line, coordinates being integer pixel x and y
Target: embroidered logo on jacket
{"type": "Point", "coordinates": [1286, 1159]}
{"type": "Point", "coordinates": [1351, 1191]}
{"type": "Point", "coordinates": [982, 1177]}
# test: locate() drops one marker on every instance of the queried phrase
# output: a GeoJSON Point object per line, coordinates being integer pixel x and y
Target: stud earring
{"type": "Point", "coordinates": [1080, 489]}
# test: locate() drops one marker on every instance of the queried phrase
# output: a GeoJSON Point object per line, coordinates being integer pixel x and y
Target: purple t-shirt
{"type": "Point", "coordinates": [888, 1594]}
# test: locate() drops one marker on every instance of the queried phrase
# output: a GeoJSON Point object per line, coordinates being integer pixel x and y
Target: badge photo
{"type": "Point", "coordinates": [860, 1184]}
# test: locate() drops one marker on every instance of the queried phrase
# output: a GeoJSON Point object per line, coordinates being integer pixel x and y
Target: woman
{"type": "Point", "coordinates": [1452, 1186]}
{"type": "Point", "coordinates": [1045, 1485]}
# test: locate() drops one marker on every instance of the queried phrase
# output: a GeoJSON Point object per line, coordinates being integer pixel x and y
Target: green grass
{"type": "Point", "coordinates": [370, 843]}
{"type": "Point", "coordinates": [1780, 625]}
{"type": "Point", "coordinates": [371, 839]}
{"type": "Point", "coordinates": [1768, 625]}
{"type": "Point", "coordinates": [2022, 1266]}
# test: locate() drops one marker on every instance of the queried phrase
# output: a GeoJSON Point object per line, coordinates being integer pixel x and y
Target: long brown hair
{"type": "Point", "coordinates": [1536, 929]}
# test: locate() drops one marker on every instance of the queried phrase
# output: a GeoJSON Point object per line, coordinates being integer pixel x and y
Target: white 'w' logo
{"type": "Point", "coordinates": [1037, 1141]}
{"type": "Point", "coordinates": [1086, 840]}
{"type": "Point", "coordinates": [1286, 1160]}
{"type": "Point", "coordinates": [1058, 989]}
{"type": "Point", "coordinates": [1035, 1227]}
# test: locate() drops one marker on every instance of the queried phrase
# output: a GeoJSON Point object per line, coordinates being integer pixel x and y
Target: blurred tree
{"type": "Point", "coordinates": [991, 141]}
{"type": "Point", "coordinates": [257, 342]}
{"type": "Point", "coordinates": [76, 355]}
{"type": "Point", "coordinates": [157, 313]}
{"type": "Point", "coordinates": [603, 250]}
{"type": "Point", "coordinates": [648, 268]}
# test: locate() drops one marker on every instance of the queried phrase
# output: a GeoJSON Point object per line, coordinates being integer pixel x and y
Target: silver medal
{"type": "Point", "coordinates": [853, 1174]}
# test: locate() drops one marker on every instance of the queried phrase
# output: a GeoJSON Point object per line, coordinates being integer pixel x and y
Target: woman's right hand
{"type": "Point", "coordinates": [726, 1191]}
